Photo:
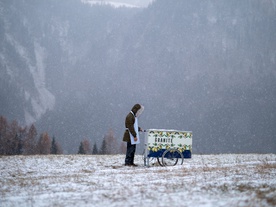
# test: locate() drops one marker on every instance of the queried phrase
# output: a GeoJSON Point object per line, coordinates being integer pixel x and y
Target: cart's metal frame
{"type": "Point", "coordinates": [169, 147]}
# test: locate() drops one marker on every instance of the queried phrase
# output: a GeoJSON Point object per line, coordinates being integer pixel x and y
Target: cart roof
{"type": "Point", "coordinates": [168, 130]}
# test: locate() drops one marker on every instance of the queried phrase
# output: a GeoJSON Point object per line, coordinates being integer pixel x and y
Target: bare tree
{"type": "Point", "coordinates": [111, 143]}
{"type": "Point", "coordinates": [86, 146]}
{"type": "Point", "coordinates": [15, 140]}
{"type": "Point", "coordinates": [44, 144]}
{"type": "Point", "coordinates": [59, 149]}
{"type": "Point", "coordinates": [123, 148]}
{"type": "Point", "coordinates": [3, 134]}
{"type": "Point", "coordinates": [12, 139]}
{"type": "Point", "coordinates": [29, 144]}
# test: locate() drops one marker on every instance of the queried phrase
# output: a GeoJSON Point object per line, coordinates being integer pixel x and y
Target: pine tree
{"type": "Point", "coordinates": [18, 146]}
{"type": "Point", "coordinates": [81, 150]}
{"type": "Point", "coordinates": [22, 136]}
{"type": "Point", "coordinates": [54, 148]}
{"type": "Point", "coordinates": [84, 147]}
{"type": "Point", "coordinates": [103, 147]}
{"type": "Point", "coordinates": [95, 149]}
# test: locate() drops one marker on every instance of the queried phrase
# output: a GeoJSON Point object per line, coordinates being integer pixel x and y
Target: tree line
{"type": "Point", "coordinates": [109, 145]}
{"type": "Point", "coordinates": [18, 140]}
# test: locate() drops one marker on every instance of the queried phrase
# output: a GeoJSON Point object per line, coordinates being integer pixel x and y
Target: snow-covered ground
{"type": "Point", "coordinates": [87, 180]}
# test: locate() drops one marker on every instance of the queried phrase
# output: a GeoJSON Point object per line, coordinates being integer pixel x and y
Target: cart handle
{"type": "Point", "coordinates": [144, 130]}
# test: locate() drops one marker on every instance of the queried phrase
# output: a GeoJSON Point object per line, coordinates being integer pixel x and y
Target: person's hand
{"type": "Point", "coordinates": [135, 139]}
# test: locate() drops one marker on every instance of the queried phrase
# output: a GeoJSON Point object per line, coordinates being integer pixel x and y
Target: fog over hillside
{"type": "Point", "coordinates": [75, 70]}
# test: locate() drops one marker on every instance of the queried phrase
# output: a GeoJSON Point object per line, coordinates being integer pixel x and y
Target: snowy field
{"type": "Point", "coordinates": [87, 180]}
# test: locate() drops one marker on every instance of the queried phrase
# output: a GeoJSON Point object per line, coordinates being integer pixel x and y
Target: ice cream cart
{"type": "Point", "coordinates": [169, 147]}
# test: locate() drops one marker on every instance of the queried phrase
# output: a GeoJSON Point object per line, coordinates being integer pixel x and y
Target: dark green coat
{"type": "Point", "coordinates": [129, 123]}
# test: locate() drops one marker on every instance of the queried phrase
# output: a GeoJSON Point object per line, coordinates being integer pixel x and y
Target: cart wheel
{"type": "Point", "coordinates": [170, 157]}
{"type": "Point", "coordinates": [152, 161]}
{"type": "Point", "coordinates": [159, 159]}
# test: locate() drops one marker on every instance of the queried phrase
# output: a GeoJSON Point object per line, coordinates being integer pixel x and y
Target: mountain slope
{"type": "Point", "coordinates": [206, 66]}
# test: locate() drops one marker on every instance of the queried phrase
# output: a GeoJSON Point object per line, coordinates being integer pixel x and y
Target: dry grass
{"type": "Point", "coordinates": [264, 192]}
{"type": "Point", "coordinates": [106, 178]}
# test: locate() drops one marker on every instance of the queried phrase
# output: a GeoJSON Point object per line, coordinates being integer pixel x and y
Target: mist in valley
{"type": "Point", "coordinates": [75, 70]}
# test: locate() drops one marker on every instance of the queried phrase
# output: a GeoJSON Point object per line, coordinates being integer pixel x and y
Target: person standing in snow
{"type": "Point", "coordinates": [131, 135]}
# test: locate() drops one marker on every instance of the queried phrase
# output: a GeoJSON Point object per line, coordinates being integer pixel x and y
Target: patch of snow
{"type": "Point", "coordinates": [5, 66]}
{"type": "Point", "coordinates": [102, 180]}
{"type": "Point", "coordinates": [45, 100]}
{"type": "Point", "coordinates": [28, 117]}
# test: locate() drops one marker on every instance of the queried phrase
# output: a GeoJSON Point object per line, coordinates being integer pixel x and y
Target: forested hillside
{"type": "Point", "coordinates": [75, 70]}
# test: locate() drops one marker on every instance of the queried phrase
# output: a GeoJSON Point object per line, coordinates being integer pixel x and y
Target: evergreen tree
{"type": "Point", "coordinates": [81, 149]}
{"type": "Point", "coordinates": [19, 145]}
{"type": "Point", "coordinates": [103, 147]}
{"type": "Point", "coordinates": [54, 147]}
{"type": "Point", "coordinates": [22, 136]}
{"type": "Point", "coordinates": [95, 149]}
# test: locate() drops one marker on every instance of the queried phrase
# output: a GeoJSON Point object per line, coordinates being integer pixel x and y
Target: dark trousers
{"type": "Point", "coordinates": [130, 153]}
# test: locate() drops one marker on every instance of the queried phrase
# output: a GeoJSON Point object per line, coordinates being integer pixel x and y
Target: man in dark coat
{"type": "Point", "coordinates": [131, 132]}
